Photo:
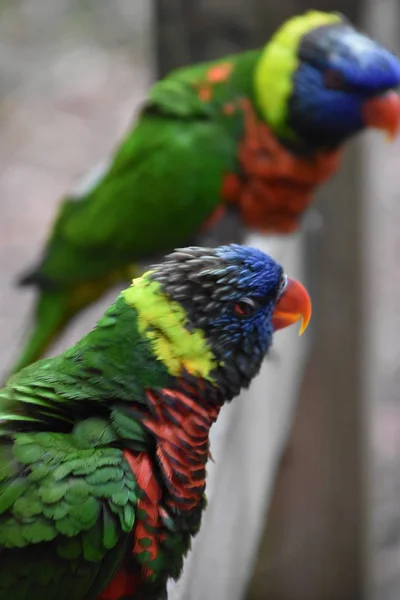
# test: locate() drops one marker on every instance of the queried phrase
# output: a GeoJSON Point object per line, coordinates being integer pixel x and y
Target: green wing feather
{"type": "Point", "coordinates": [67, 496]}
{"type": "Point", "coordinates": [65, 512]}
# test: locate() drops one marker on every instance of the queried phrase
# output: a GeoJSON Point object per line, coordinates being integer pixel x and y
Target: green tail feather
{"type": "Point", "coordinates": [51, 314]}
{"type": "Point", "coordinates": [54, 310]}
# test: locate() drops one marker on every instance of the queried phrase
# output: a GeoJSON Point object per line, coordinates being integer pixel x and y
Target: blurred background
{"type": "Point", "coordinates": [72, 74]}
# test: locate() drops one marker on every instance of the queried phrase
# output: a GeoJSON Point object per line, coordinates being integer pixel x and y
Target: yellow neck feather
{"type": "Point", "coordinates": [162, 321]}
{"type": "Point", "coordinates": [277, 64]}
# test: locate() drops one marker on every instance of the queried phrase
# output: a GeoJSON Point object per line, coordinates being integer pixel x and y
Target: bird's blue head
{"type": "Point", "coordinates": [236, 296]}
{"type": "Point", "coordinates": [319, 81]}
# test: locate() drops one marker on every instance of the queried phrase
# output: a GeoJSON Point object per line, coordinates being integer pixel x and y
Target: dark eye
{"type": "Point", "coordinates": [333, 80]}
{"type": "Point", "coordinates": [246, 307]}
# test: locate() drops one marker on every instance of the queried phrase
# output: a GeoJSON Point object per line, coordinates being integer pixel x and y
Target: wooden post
{"type": "Point", "coordinates": [312, 546]}
{"type": "Point", "coordinates": [381, 355]}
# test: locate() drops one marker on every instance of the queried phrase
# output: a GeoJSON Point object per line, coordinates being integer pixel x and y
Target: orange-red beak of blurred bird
{"type": "Point", "coordinates": [383, 112]}
{"type": "Point", "coordinates": [294, 305]}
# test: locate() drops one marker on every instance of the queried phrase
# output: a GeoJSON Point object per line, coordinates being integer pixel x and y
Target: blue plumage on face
{"type": "Point", "coordinates": [229, 293]}
{"type": "Point", "coordinates": [247, 292]}
{"type": "Point", "coordinates": [340, 70]}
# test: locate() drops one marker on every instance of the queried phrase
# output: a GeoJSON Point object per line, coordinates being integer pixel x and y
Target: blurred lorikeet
{"type": "Point", "coordinates": [257, 131]}
{"type": "Point", "coordinates": [103, 449]}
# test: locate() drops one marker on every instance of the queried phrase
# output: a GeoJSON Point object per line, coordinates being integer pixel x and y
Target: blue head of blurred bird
{"type": "Point", "coordinates": [337, 81]}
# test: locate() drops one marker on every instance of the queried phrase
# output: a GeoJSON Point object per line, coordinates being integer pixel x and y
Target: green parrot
{"type": "Point", "coordinates": [103, 449]}
{"type": "Point", "coordinates": [255, 132]}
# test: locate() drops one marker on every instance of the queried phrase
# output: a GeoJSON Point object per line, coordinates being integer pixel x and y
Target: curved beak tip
{"type": "Point", "coordinates": [383, 112]}
{"type": "Point", "coordinates": [294, 305]}
{"type": "Point", "coordinates": [304, 324]}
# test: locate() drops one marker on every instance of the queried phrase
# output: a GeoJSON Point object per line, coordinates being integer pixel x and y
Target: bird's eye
{"type": "Point", "coordinates": [246, 307]}
{"type": "Point", "coordinates": [282, 285]}
{"type": "Point", "coordinates": [333, 80]}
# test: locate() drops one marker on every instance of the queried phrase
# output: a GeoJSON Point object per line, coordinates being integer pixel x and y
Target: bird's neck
{"type": "Point", "coordinates": [179, 419]}
{"type": "Point", "coordinates": [274, 184]}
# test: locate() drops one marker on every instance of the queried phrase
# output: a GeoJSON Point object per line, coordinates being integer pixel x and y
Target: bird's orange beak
{"type": "Point", "coordinates": [383, 112]}
{"type": "Point", "coordinates": [294, 305]}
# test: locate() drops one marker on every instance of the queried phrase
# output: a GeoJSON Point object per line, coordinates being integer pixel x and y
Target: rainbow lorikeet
{"type": "Point", "coordinates": [103, 449]}
{"type": "Point", "coordinates": [257, 131]}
